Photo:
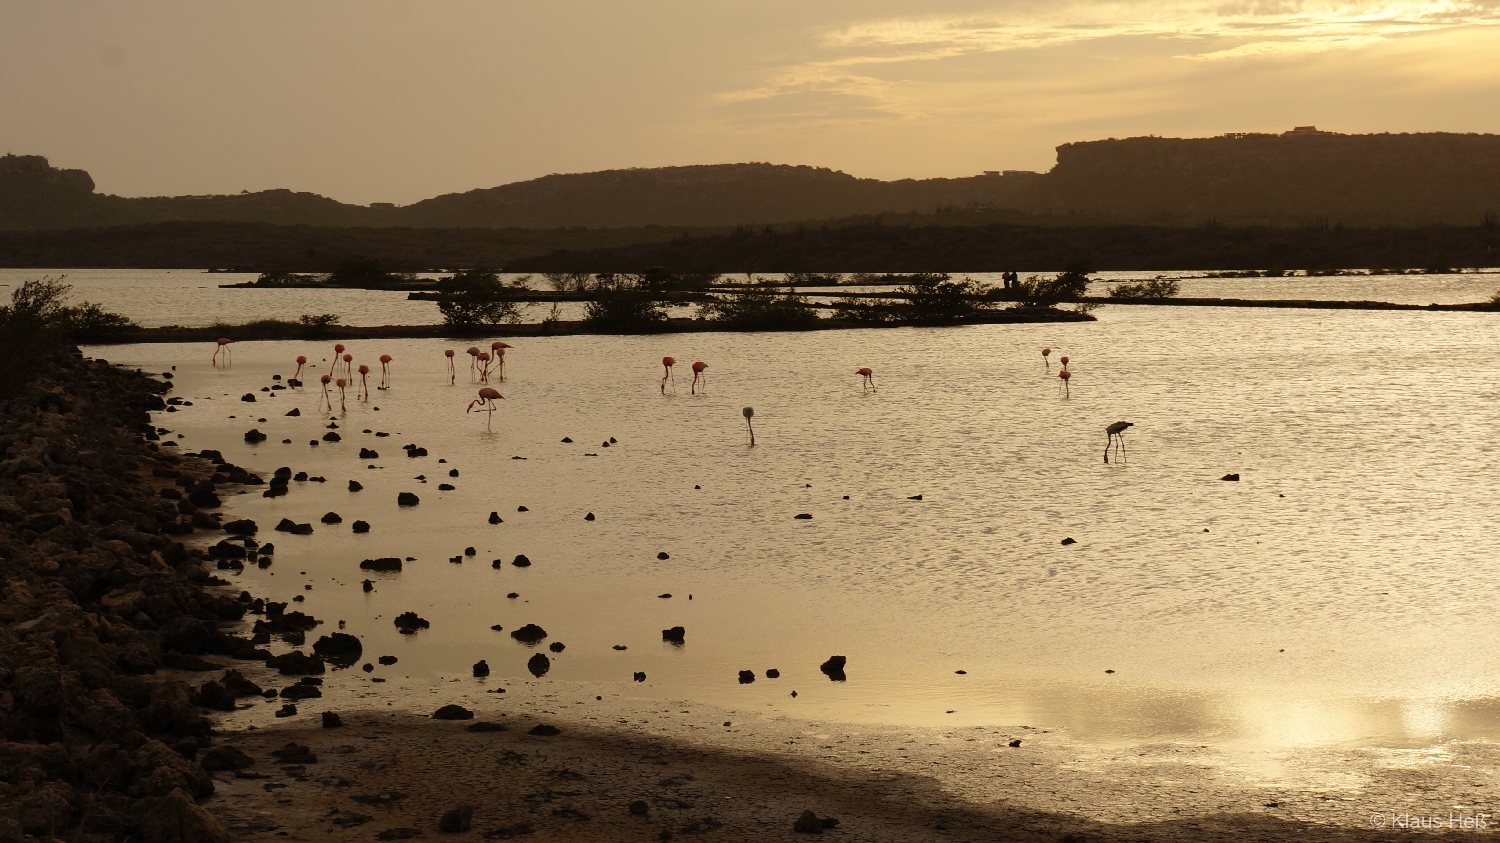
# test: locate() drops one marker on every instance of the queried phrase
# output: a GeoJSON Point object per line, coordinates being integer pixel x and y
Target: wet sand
{"type": "Point", "coordinates": [752, 779]}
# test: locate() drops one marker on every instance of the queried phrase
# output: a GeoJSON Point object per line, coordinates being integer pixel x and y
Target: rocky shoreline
{"type": "Point", "coordinates": [108, 615]}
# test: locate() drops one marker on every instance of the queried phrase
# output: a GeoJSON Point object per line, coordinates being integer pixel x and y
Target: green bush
{"type": "Point", "coordinates": [1072, 283]}
{"type": "Point", "coordinates": [474, 297]}
{"type": "Point", "coordinates": [926, 299]}
{"type": "Point", "coordinates": [625, 304]}
{"type": "Point", "coordinates": [361, 272]}
{"type": "Point", "coordinates": [1156, 288]}
{"type": "Point", "coordinates": [38, 320]}
{"type": "Point", "coordinates": [760, 309]}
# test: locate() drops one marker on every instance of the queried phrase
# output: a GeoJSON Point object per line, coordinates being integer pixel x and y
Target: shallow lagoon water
{"type": "Point", "coordinates": [1353, 610]}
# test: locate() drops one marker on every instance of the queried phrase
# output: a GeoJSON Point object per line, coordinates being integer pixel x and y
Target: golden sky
{"type": "Point", "coordinates": [364, 100]}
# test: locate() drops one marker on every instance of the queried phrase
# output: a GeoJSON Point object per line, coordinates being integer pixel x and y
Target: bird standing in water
{"type": "Point", "coordinates": [868, 375]}
{"type": "Point", "coordinates": [1113, 432]}
{"type": "Point", "coordinates": [698, 368]}
{"type": "Point", "coordinates": [667, 363]}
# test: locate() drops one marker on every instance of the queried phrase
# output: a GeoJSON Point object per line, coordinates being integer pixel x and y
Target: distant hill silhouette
{"type": "Point", "coordinates": [1360, 180]}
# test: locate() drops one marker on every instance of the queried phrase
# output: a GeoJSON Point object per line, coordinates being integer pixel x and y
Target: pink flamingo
{"type": "Point", "coordinates": [484, 367]}
{"type": "Point", "coordinates": [301, 361]}
{"type": "Point", "coordinates": [452, 369]}
{"type": "Point", "coordinates": [1063, 360]}
{"type": "Point", "coordinates": [1045, 361]}
{"type": "Point", "coordinates": [224, 347]}
{"type": "Point", "coordinates": [497, 352]}
{"type": "Point", "coordinates": [698, 368]}
{"type": "Point", "coordinates": [868, 375]}
{"type": "Point", "coordinates": [348, 369]}
{"type": "Point", "coordinates": [327, 379]}
{"type": "Point", "coordinates": [667, 363]}
{"type": "Point", "coordinates": [385, 370]}
{"type": "Point", "coordinates": [486, 401]}
{"type": "Point", "coordinates": [364, 372]}
{"type": "Point", "coordinates": [1065, 375]}
{"type": "Point", "coordinates": [342, 383]}
{"type": "Point", "coordinates": [338, 348]}
{"type": "Point", "coordinates": [473, 358]}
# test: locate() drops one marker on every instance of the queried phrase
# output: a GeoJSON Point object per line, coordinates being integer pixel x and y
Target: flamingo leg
{"type": "Point", "coordinates": [1109, 439]}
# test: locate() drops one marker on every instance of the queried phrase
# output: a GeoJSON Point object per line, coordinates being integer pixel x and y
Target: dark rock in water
{"type": "Point", "coordinates": [203, 497]}
{"type": "Point", "coordinates": [481, 669]}
{"type": "Point", "coordinates": [773, 673]}
{"type": "Point", "coordinates": [300, 692]}
{"type": "Point", "coordinates": [834, 668]}
{"type": "Point", "coordinates": [330, 436]}
{"type": "Point", "coordinates": [225, 758]}
{"type": "Point", "coordinates": [522, 509]}
{"type": "Point", "coordinates": [225, 550]}
{"type": "Point", "coordinates": [915, 498]}
{"type": "Point", "coordinates": [407, 499]}
{"type": "Point", "coordinates": [295, 412]}
{"type": "Point", "coordinates": [619, 647]}
{"type": "Point", "coordinates": [367, 585]}
{"type": "Point", "coordinates": [446, 487]}
{"type": "Point", "coordinates": [452, 472]}
{"type": "Point", "coordinates": [1234, 478]}
{"type": "Point", "coordinates": [808, 823]}
{"type": "Point", "coordinates": [496, 563]}
{"type": "Point", "coordinates": [367, 667]}
{"type": "Point", "coordinates": [332, 518]}
{"type": "Point", "coordinates": [361, 526]}
{"type": "Point", "coordinates": [255, 437]}
{"type": "Point", "coordinates": [639, 676]}
{"type": "Point", "coordinates": [664, 596]}
{"type": "Point", "coordinates": [287, 710]}
{"type": "Point", "coordinates": [459, 560]}
{"type": "Point", "coordinates": [484, 726]}
{"type": "Point", "coordinates": [355, 485]}
{"type": "Point", "coordinates": [639, 808]}
{"type": "Point", "coordinates": [387, 660]}
{"type": "Point", "coordinates": [539, 664]}
{"type": "Point", "coordinates": [408, 623]}
{"type": "Point", "coordinates": [589, 517]}
{"type": "Point", "coordinates": [521, 561]}
{"type": "Point", "coordinates": [367, 454]}
{"type": "Point", "coordinates": [340, 649]}
{"type": "Point", "coordinates": [1068, 541]}
{"type": "Point", "coordinates": [240, 527]}
{"type": "Point", "coordinates": [416, 452]}
{"type": "Point", "coordinates": [456, 820]}
{"type": "Point", "coordinates": [545, 731]}
{"type": "Point", "coordinates": [511, 596]}
{"type": "Point", "coordinates": [747, 676]}
{"type": "Point", "coordinates": [313, 442]}
{"type": "Point", "coordinates": [676, 635]}
{"type": "Point", "coordinates": [453, 712]}
{"type": "Point", "coordinates": [295, 753]}
{"type": "Point", "coordinates": [331, 720]}
{"type": "Point", "coordinates": [663, 555]}
{"type": "Point", "coordinates": [557, 646]}
{"type": "Point", "coordinates": [1016, 742]}
{"type": "Point", "coordinates": [213, 695]}
{"type": "Point", "coordinates": [274, 492]}
{"type": "Point", "coordinates": [470, 551]}
{"type": "Point", "coordinates": [300, 477]}
{"type": "Point", "coordinates": [237, 685]}
{"type": "Point", "coordinates": [803, 516]}
{"type": "Point", "coordinates": [298, 529]}
{"type": "Point", "coordinates": [248, 397]}
{"type": "Point", "coordinates": [296, 663]}
{"type": "Point", "coordinates": [529, 634]}
{"type": "Point", "coordinates": [498, 628]}
{"type": "Point", "coordinates": [495, 518]}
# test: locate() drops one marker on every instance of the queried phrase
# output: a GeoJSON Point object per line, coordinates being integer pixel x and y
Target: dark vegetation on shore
{"type": "Point", "coordinates": [853, 246]}
{"type": "Point", "coordinates": [998, 248]}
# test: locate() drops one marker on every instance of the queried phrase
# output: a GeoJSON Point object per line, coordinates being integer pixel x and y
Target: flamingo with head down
{"type": "Point", "coordinates": [667, 363]}
{"type": "Point", "coordinates": [364, 373]}
{"type": "Point", "coordinates": [224, 347]}
{"type": "Point", "coordinates": [385, 371]}
{"type": "Point", "coordinates": [486, 401]}
{"type": "Point", "coordinates": [452, 369]}
{"type": "Point", "coordinates": [698, 368]}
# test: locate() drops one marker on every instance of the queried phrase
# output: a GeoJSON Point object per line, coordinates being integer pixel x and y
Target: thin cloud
{"type": "Point", "coordinates": [847, 59]}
